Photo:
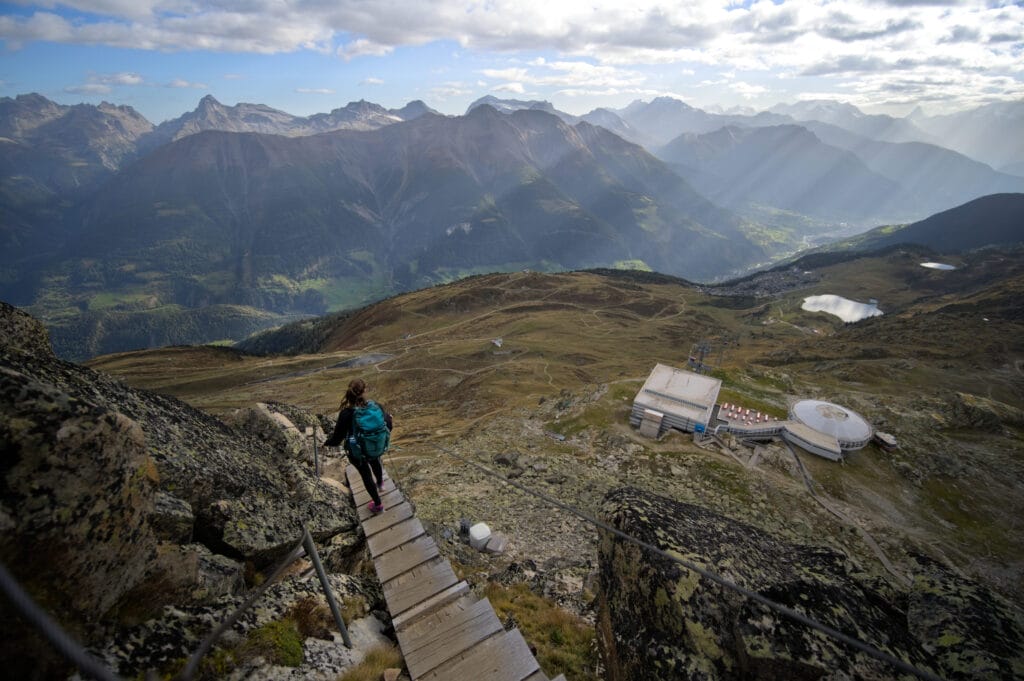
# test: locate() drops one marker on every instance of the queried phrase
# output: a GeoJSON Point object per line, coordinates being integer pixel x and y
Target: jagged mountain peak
{"type": "Point", "coordinates": [509, 105]}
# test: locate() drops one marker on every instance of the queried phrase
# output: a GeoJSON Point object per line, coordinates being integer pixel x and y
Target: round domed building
{"type": "Point", "coordinates": [850, 430]}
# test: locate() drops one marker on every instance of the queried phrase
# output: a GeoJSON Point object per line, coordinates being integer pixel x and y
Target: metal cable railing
{"type": "Point", "coordinates": [90, 667]}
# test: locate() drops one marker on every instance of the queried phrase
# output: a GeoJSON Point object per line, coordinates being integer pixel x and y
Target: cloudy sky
{"type": "Point", "coordinates": [306, 56]}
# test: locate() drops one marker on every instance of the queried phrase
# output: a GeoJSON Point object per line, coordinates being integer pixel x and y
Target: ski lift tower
{"type": "Point", "coordinates": [699, 352]}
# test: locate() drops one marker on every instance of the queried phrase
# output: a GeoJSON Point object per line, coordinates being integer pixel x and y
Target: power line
{"type": "Point", "coordinates": [784, 610]}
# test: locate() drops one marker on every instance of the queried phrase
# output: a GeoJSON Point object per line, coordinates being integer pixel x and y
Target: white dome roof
{"type": "Point", "coordinates": [847, 426]}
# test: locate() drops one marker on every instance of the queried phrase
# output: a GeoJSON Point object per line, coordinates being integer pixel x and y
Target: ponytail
{"type": "Point", "coordinates": [354, 394]}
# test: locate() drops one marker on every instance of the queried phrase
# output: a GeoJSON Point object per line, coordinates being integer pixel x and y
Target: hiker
{"type": "Point", "coordinates": [364, 428]}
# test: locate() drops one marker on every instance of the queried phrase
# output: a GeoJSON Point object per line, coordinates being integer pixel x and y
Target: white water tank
{"type": "Point", "coordinates": [478, 536]}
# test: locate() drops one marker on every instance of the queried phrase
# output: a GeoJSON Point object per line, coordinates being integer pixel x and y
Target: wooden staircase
{"type": "Point", "coordinates": [445, 632]}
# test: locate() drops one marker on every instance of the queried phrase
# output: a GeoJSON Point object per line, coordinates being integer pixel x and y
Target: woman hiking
{"type": "Point", "coordinates": [364, 428]}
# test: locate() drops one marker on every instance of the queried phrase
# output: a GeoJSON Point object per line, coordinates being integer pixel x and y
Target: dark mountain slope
{"type": "Point", "coordinates": [933, 177]}
{"type": "Point", "coordinates": [52, 156]}
{"type": "Point", "coordinates": [443, 192]}
{"type": "Point", "coordinates": [783, 166]}
{"type": "Point", "coordinates": [994, 220]}
{"type": "Point", "coordinates": [306, 224]}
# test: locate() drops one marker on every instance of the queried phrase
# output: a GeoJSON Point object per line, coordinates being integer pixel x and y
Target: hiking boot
{"type": "Point", "coordinates": [376, 508]}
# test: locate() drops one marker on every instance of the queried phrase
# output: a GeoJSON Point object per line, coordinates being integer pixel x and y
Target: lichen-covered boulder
{"type": "Point", "coordinates": [76, 489]}
{"type": "Point", "coordinates": [275, 429]}
{"type": "Point", "coordinates": [172, 518]}
{"type": "Point", "coordinates": [183, 575]}
{"type": "Point", "coordinates": [658, 620]}
{"type": "Point", "coordinates": [252, 527]}
{"type": "Point", "coordinates": [20, 332]}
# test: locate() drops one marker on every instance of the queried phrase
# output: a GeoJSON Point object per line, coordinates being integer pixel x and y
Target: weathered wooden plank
{"type": "Point", "coordinates": [389, 499]}
{"type": "Point", "coordinates": [504, 657]}
{"type": "Point", "coordinates": [428, 606]}
{"type": "Point", "coordinates": [540, 676]}
{"type": "Point", "coordinates": [387, 518]}
{"type": "Point", "coordinates": [560, 677]}
{"type": "Point", "coordinates": [418, 584]}
{"type": "Point", "coordinates": [442, 635]}
{"type": "Point", "coordinates": [406, 557]}
{"type": "Point", "coordinates": [393, 537]}
{"type": "Point", "coordinates": [361, 496]}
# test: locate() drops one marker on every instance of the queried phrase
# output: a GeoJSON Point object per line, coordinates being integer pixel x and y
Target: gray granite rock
{"type": "Point", "coordinates": [172, 518]}
{"type": "Point", "coordinates": [658, 620]}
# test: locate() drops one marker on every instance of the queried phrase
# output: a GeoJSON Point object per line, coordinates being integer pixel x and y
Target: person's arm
{"type": "Point", "coordinates": [387, 420]}
{"type": "Point", "coordinates": [341, 428]}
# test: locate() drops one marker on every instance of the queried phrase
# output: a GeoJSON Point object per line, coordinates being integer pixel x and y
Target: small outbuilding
{"type": "Point", "coordinates": [674, 398]}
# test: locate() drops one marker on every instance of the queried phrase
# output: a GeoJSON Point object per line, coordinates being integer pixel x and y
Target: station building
{"type": "Point", "coordinates": [674, 398]}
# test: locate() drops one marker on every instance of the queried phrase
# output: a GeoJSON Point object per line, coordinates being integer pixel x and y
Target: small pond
{"type": "Point", "coordinates": [844, 308]}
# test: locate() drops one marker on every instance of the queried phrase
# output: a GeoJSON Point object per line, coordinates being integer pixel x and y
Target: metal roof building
{"type": "Point", "coordinates": [674, 398]}
{"type": "Point", "coordinates": [848, 427]}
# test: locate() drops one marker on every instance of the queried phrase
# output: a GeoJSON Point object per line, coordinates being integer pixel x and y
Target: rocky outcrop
{"type": "Point", "coordinates": [76, 490]}
{"type": "Point", "coordinates": [21, 333]}
{"type": "Point", "coordinates": [281, 426]}
{"type": "Point", "coordinates": [162, 642]}
{"type": "Point", "coordinates": [117, 502]}
{"type": "Point", "coordinates": [659, 620]}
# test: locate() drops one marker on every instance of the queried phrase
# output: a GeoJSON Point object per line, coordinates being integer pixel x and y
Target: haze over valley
{"type": "Point", "coordinates": [229, 219]}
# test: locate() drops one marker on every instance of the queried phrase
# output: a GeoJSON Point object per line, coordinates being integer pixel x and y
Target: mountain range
{"type": "Point", "coordinates": [110, 223]}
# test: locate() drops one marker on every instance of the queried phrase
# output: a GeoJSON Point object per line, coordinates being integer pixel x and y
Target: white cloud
{"type": "Point", "coordinates": [314, 91]}
{"type": "Point", "coordinates": [450, 90]}
{"type": "Point", "coordinates": [803, 39]}
{"type": "Point", "coordinates": [120, 78]}
{"type": "Point", "coordinates": [182, 83]}
{"type": "Point", "coordinates": [371, 81]}
{"type": "Point", "coordinates": [746, 90]}
{"type": "Point", "coordinates": [89, 89]}
{"type": "Point", "coordinates": [104, 83]}
{"type": "Point", "coordinates": [363, 48]}
{"type": "Point", "coordinates": [515, 88]}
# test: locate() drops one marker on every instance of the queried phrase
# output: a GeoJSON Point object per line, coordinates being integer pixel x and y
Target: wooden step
{"type": "Point", "coordinates": [540, 676]}
{"type": "Point", "coordinates": [389, 499]}
{"type": "Point", "coordinates": [419, 584]}
{"type": "Point", "coordinates": [390, 517]}
{"type": "Point", "coordinates": [504, 657]}
{"type": "Point", "coordinates": [406, 557]}
{"type": "Point", "coordinates": [413, 614]}
{"type": "Point", "coordinates": [450, 631]}
{"type": "Point", "coordinates": [361, 496]}
{"type": "Point", "coordinates": [394, 536]}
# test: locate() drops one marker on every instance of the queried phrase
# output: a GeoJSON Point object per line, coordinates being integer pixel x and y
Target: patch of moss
{"type": "Point", "coordinates": [277, 642]}
{"type": "Point", "coordinates": [564, 642]}
{"type": "Point", "coordinates": [373, 665]}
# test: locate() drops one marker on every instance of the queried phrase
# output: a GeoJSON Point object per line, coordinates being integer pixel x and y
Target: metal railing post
{"type": "Point", "coordinates": [307, 539]}
{"type": "Point", "coordinates": [311, 432]}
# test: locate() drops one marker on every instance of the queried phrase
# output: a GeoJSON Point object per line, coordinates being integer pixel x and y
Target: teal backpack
{"type": "Point", "coordinates": [370, 436]}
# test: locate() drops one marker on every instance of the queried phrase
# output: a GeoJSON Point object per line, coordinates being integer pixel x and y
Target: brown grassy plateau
{"type": "Point", "coordinates": [943, 370]}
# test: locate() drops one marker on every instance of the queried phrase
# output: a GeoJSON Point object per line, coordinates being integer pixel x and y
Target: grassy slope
{"type": "Point", "coordinates": [576, 347]}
